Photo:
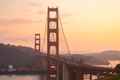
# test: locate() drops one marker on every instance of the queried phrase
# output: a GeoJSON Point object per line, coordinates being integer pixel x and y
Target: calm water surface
{"type": "Point", "coordinates": [26, 77]}
{"type": "Point", "coordinates": [38, 77]}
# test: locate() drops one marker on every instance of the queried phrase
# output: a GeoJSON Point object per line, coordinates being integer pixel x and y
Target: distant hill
{"type": "Point", "coordinates": [88, 59]}
{"type": "Point", "coordinates": [18, 56]}
{"type": "Point", "coordinates": [106, 55]}
{"type": "Point", "coordinates": [25, 56]}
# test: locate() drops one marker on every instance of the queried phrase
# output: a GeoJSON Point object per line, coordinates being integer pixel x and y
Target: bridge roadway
{"type": "Point", "coordinates": [76, 70]}
{"type": "Point", "coordinates": [81, 67]}
{"type": "Point", "coordinates": [70, 63]}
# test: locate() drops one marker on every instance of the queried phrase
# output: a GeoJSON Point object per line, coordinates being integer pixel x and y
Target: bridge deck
{"type": "Point", "coordinates": [81, 67]}
{"type": "Point", "coordinates": [73, 65]}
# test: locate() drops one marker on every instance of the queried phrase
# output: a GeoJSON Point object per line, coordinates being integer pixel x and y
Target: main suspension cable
{"type": "Point", "coordinates": [44, 37]}
{"type": "Point", "coordinates": [65, 38]}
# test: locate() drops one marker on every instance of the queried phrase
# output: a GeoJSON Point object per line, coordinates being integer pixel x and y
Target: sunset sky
{"type": "Point", "coordinates": [89, 25]}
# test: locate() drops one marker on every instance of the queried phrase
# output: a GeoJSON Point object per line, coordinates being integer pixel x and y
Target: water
{"type": "Point", "coordinates": [23, 77]}
{"type": "Point", "coordinates": [39, 77]}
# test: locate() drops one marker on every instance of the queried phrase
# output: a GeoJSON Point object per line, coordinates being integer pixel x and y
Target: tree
{"type": "Point", "coordinates": [117, 69]}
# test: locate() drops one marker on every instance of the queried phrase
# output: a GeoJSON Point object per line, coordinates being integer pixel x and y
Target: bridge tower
{"type": "Point", "coordinates": [37, 42]}
{"type": "Point", "coordinates": [52, 43]}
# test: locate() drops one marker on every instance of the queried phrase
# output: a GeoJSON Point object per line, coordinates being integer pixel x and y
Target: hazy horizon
{"type": "Point", "coordinates": [90, 25]}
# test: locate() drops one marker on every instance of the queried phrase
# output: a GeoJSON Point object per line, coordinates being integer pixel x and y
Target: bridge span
{"type": "Point", "coordinates": [59, 68]}
{"type": "Point", "coordinates": [69, 70]}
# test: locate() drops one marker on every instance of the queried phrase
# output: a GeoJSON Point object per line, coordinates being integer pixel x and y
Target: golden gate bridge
{"type": "Point", "coordinates": [59, 68]}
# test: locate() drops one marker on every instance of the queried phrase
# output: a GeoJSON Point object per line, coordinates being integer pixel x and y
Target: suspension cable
{"type": "Point", "coordinates": [65, 38]}
{"type": "Point", "coordinates": [44, 37]}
